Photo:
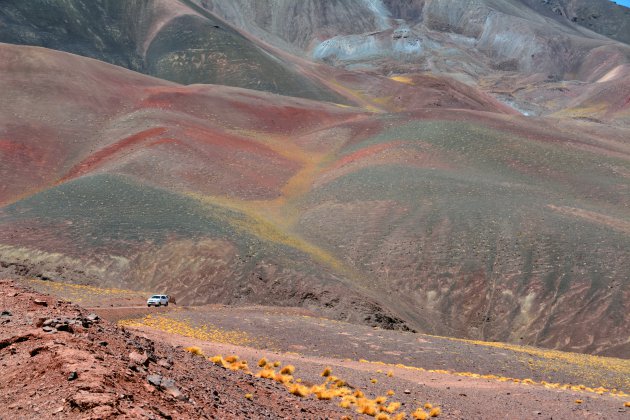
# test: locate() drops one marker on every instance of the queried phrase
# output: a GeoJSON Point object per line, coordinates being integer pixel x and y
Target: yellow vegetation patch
{"type": "Point", "coordinates": [332, 388]}
{"type": "Point", "coordinates": [403, 79]}
{"type": "Point", "coordinates": [80, 293]}
{"type": "Point", "coordinates": [616, 365]}
{"type": "Point", "coordinates": [204, 332]}
{"type": "Point", "coordinates": [249, 396]}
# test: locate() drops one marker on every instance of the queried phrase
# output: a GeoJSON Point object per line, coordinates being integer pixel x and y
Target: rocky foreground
{"type": "Point", "coordinates": [57, 361]}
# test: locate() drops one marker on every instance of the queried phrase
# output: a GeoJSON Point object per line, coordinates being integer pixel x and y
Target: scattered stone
{"type": "Point", "coordinates": [169, 386]}
{"type": "Point", "coordinates": [103, 343]}
{"type": "Point", "coordinates": [40, 302]}
{"type": "Point", "coordinates": [92, 317]}
{"type": "Point", "coordinates": [86, 400]}
{"type": "Point", "coordinates": [138, 359]}
{"type": "Point", "coordinates": [73, 376]}
{"type": "Point", "coordinates": [154, 380]}
{"type": "Point", "coordinates": [64, 327]}
{"type": "Point", "coordinates": [49, 329]}
{"type": "Point", "coordinates": [165, 364]}
{"type": "Point", "coordinates": [6, 314]}
{"type": "Point", "coordinates": [34, 352]}
{"type": "Point", "coordinates": [407, 391]}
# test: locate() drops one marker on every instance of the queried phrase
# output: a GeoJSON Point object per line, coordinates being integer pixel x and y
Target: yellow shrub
{"type": "Point", "coordinates": [382, 416]}
{"type": "Point", "coordinates": [266, 373]}
{"type": "Point", "coordinates": [400, 416]}
{"type": "Point", "coordinates": [276, 364]}
{"type": "Point", "coordinates": [420, 414]}
{"type": "Point", "coordinates": [428, 406]}
{"type": "Point", "coordinates": [217, 360]}
{"type": "Point", "coordinates": [283, 379]}
{"type": "Point", "coordinates": [392, 407]}
{"type": "Point", "coordinates": [626, 404]}
{"type": "Point", "coordinates": [299, 390]}
{"type": "Point", "coordinates": [435, 412]}
{"type": "Point", "coordinates": [194, 350]}
{"type": "Point", "coordinates": [390, 374]}
{"type": "Point", "coordinates": [262, 362]}
{"type": "Point", "coordinates": [327, 371]}
{"type": "Point", "coordinates": [345, 404]}
{"type": "Point", "coordinates": [374, 381]}
{"type": "Point", "coordinates": [390, 392]}
{"type": "Point", "coordinates": [249, 396]}
{"type": "Point", "coordinates": [579, 401]}
{"type": "Point", "coordinates": [231, 359]}
{"type": "Point", "coordinates": [288, 370]}
{"type": "Point", "coordinates": [368, 409]}
{"type": "Point", "coordinates": [380, 400]}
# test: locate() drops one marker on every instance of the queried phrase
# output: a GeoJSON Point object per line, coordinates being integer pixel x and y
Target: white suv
{"type": "Point", "coordinates": [158, 300]}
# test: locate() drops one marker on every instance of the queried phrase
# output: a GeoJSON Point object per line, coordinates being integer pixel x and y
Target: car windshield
{"type": "Point", "coordinates": [155, 297]}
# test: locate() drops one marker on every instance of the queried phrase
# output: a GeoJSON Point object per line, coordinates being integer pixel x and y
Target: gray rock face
{"type": "Point", "coordinates": [504, 35]}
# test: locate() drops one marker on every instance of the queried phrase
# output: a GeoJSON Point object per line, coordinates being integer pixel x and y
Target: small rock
{"type": "Point", "coordinates": [40, 302]}
{"type": "Point", "coordinates": [73, 376]}
{"type": "Point", "coordinates": [407, 391]}
{"type": "Point", "coordinates": [34, 352]}
{"type": "Point", "coordinates": [49, 329]}
{"type": "Point", "coordinates": [103, 343]}
{"type": "Point", "coordinates": [172, 390]}
{"type": "Point", "coordinates": [154, 380]}
{"type": "Point", "coordinates": [139, 359]}
{"type": "Point", "coordinates": [6, 314]}
{"type": "Point", "coordinates": [93, 317]}
{"type": "Point", "coordinates": [64, 327]}
{"type": "Point", "coordinates": [165, 364]}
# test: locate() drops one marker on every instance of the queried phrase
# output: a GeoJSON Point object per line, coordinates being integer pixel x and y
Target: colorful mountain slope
{"type": "Point", "coordinates": [445, 218]}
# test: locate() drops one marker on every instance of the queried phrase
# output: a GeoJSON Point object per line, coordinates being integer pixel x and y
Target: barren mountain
{"type": "Point", "coordinates": [394, 182]}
